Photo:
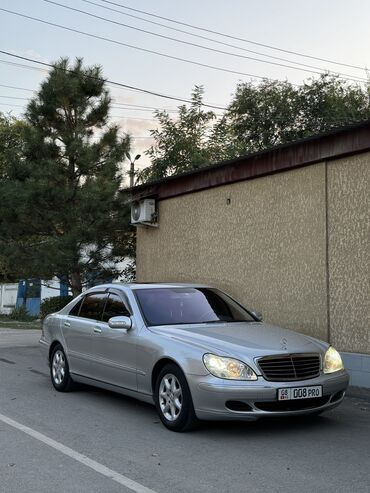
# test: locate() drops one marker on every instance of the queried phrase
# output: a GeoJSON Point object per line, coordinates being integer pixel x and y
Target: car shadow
{"type": "Point", "coordinates": [114, 398]}
{"type": "Point", "coordinates": [280, 426]}
{"type": "Point", "coordinates": [263, 426]}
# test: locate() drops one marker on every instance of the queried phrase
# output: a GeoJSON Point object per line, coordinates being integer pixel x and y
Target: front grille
{"type": "Point", "coordinates": [295, 405]}
{"type": "Point", "coordinates": [290, 367]}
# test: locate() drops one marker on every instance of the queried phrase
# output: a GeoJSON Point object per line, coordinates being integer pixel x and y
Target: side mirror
{"type": "Point", "coordinates": [257, 314]}
{"type": "Point", "coordinates": [120, 323]}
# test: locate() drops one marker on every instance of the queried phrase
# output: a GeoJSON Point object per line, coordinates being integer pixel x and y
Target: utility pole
{"type": "Point", "coordinates": [132, 167]}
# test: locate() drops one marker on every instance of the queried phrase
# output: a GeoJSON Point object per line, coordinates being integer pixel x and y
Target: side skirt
{"type": "Point", "coordinates": [114, 388]}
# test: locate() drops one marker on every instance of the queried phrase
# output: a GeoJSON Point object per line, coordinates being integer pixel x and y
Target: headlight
{"type": "Point", "coordinates": [332, 361]}
{"type": "Point", "coordinates": [229, 368]}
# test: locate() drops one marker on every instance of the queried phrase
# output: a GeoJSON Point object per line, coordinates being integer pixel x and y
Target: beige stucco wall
{"type": "Point", "coordinates": [349, 252]}
{"type": "Point", "coordinates": [294, 245]}
{"type": "Point", "coordinates": [266, 248]}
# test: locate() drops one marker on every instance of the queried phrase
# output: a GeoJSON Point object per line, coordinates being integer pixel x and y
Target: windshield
{"type": "Point", "coordinates": [174, 306]}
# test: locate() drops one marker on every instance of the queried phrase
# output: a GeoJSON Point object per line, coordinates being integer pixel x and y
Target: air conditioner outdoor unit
{"type": "Point", "coordinates": [143, 212]}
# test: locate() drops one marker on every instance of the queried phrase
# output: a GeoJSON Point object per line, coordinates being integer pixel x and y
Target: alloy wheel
{"type": "Point", "coordinates": [58, 367]}
{"type": "Point", "coordinates": [170, 397]}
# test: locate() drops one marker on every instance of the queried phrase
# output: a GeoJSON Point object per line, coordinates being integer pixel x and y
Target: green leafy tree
{"type": "Point", "coordinates": [272, 113]}
{"type": "Point", "coordinates": [259, 116]}
{"type": "Point", "coordinates": [65, 215]}
{"type": "Point", "coordinates": [221, 144]}
{"type": "Point", "coordinates": [263, 115]}
{"type": "Point", "coordinates": [180, 142]}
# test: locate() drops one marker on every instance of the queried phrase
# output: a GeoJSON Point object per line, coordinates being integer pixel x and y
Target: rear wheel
{"type": "Point", "coordinates": [59, 370]}
{"type": "Point", "coordinates": [173, 400]}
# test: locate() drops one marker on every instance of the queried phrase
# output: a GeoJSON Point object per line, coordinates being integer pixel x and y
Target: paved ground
{"type": "Point", "coordinates": [95, 441]}
{"type": "Point", "coordinates": [18, 338]}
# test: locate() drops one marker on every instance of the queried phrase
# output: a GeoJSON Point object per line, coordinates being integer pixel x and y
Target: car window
{"type": "Point", "coordinates": [76, 309]}
{"type": "Point", "coordinates": [93, 306]}
{"type": "Point", "coordinates": [172, 306]}
{"type": "Point", "coordinates": [114, 307]}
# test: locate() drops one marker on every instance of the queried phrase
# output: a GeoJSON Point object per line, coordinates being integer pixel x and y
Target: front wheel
{"type": "Point", "coordinates": [59, 370]}
{"type": "Point", "coordinates": [173, 400]}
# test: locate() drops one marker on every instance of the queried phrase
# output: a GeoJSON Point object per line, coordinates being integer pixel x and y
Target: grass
{"type": "Point", "coordinates": [7, 323]}
{"type": "Point", "coordinates": [19, 318]}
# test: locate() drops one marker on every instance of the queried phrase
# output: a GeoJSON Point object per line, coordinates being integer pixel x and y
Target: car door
{"type": "Point", "coordinates": [114, 350]}
{"type": "Point", "coordinates": [78, 329]}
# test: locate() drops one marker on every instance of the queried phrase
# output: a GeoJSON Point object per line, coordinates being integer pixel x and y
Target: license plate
{"type": "Point", "coordinates": [293, 393]}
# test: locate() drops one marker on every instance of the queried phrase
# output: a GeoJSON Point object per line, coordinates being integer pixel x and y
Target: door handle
{"type": "Point", "coordinates": [97, 330]}
{"type": "Point", "coordinates": [67, 324]}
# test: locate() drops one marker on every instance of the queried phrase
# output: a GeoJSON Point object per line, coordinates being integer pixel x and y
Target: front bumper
{"type": "Point", "coordinates": [212, 396]}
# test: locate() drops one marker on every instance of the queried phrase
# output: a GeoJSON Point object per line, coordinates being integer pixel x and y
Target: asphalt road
{"type": "Point", "coordinates": [95, 441]}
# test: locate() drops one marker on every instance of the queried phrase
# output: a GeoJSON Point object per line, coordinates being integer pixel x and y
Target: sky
{"type": "Point", "coordinates": [335, 30]}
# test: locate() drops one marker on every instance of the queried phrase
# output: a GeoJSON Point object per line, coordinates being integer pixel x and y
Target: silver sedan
{"type": "Point", "coordinates": [193, 351]}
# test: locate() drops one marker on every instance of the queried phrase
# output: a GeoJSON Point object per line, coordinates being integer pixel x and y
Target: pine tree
{"type": "Point", "coordinates": [11, 149]}
{"type": "Point", "coordinates": [69, 218]}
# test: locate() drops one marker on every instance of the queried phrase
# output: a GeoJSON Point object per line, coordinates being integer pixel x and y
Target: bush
{"type": "Point", "coordinates": [54, 304]}
{"type": "Point", "coordinates": [21, 314]}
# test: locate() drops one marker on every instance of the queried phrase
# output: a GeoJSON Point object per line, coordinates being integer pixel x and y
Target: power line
{"type": "Point", "coordinates": [14, 97]}
{"type": "Point", "coordinates": [145, 50]}
{"type": "Point", "coordinates": [141, 137]}
{"type": "Point", "coordinates": [222, 52]}
{"type": "Point", "coordinates": [113, 83]}
{"type": "Point", "coordinates": [142, 106]}
{"type": "Point", "coordinates": [213, 40]}
{"type": "Point", "coordinates": [271, 47]}
{"type": "Point", "coordinates": [117, 104]}
{"type": "Point", "coordinates": [121, 86]}
{"type": "Point", "coordinates": [125, 107]}
{"type": "Point", "coordinates": [337, 120]}
{"type": "Point", "coordinates": [12, 105]}
{"type": "Point", "coordinates": [256, 117]}
{"type": "Point", "coordinates": [125, 117]}
{"type": "Point", "coordinates": [21, 65]}
{"type": "Point", "coordinates": [15, 87]}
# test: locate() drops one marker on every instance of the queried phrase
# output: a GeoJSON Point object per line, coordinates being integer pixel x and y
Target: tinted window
{"type": "Point", "coordinates": [115, 307]}
{"type": "Point", "coordinates": [169, 306]}
{"type": "Point", "coordinates": [93, 306]}
{"type": "Point", "coordinates": [75, 310]}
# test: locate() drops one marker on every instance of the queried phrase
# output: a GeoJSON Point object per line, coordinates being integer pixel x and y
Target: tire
{"type": "Point", "coordinates": [59, 370]}
{"type": "Point", "coordinates": [173, 400]}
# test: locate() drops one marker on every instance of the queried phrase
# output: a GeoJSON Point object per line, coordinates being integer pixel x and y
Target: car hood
{"type": "Point", "coordinates": [243, 339]}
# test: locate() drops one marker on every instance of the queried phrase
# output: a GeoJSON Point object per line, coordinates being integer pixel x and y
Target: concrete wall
{"type": "Point", "coordinates": [8, 297]}
{"type": "Point", "coordinates": [276, 243]}
{"type": "Point", "coordinates": [349, 252]}
{"type": "Point", "coordinates": [49, 289]}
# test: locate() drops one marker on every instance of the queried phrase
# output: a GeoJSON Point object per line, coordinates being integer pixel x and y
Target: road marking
{"type": "Point", "coordinates": [96, 466]}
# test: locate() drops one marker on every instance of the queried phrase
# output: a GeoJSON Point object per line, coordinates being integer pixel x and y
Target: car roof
{"type": "Point", "coordinates": [148, 285]}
